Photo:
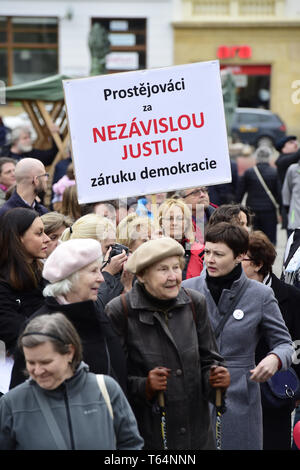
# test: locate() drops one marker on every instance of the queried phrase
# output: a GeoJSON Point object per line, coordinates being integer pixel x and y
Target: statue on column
{"type": "Point", "coordinates": [99, 46]}
{"type": "Point", "coordinates": [229, 97]}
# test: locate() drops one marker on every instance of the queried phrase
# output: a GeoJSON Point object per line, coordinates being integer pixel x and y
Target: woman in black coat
{"type": "Point", "coordinates": [73, 272]}
{"type": "Point", "coordinates": [23, 244]}
{"type": "Point", "coordinates": [265, 215]}
{"type": "Point", "coordinates": [258, 265]}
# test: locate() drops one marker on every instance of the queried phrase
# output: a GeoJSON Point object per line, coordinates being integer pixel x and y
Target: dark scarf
{"type": "Point", "coordinates": [161, 305]}
{"type": "Point", "coordinates": [217, 284]}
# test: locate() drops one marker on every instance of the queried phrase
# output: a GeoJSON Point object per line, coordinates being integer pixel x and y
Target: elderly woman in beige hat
{"type": "Point", "coordinates": [170, 348]}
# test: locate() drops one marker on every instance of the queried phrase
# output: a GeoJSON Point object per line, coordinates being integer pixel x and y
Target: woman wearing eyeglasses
{"type": "Point", "coordinates": [250, 310]}
{"type": "Point", "coordinates": [175, 221]}
{"type": "Point", "coordinates": [257, 265]}
{"type": "Point", "coordinates": [198, 201]}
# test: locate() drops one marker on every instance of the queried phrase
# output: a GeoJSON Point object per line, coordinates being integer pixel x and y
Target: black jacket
{"type": "Point", "coordinates": [15, 308]}
{"type": "Point", "coordinates": [258, 199]}
{"type": "Point", "coordinates": [45, 156]}
{"type": "Point", "coordinates": [288, 298]}
{"type": "Point", "coordinates": [102, 350]}
{"type": "Point", "coordinates": [284, 161]}
{"type": "Point", "coordinates": [16, 201]}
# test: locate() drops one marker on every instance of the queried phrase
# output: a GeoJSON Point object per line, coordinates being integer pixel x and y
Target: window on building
{"type": "Point", "coordinates": [28, 49]}
{"type": "Point", "coordinates": [127, 38]}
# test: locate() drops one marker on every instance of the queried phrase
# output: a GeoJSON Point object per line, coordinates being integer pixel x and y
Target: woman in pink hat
{"type": "Point", "coordinates": [74, 276]}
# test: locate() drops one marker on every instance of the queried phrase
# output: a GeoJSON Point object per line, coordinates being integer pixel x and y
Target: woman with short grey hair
{"type": "Point", "coordinates": [73, 272]}
{"type": "Point", "coordinates": [33, 415]}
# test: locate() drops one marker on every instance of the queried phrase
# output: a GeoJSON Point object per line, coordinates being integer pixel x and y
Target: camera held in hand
{"type": "Point", "coordinates": [117, 249]}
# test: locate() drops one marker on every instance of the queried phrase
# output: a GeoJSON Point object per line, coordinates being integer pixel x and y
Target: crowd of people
{"type": "Point", "coordinates": [154, 322]}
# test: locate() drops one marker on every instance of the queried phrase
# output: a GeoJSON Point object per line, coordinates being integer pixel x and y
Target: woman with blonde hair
{"type": "Point", "coordinates": [69, 205]}
{"type": "Point", "coordinates": [175, 221]}
{"type": "Point", "coordinates": [54, 226]}
{"type": "Point", "coordinates": [134, 230]}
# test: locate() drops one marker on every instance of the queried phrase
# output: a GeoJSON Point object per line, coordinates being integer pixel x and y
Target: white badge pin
{"type": "Point", "coordinates": [238, 314]}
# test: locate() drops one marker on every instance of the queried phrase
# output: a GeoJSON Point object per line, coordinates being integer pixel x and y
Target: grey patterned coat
{"type": "Point", "coordinates": [242, 422]}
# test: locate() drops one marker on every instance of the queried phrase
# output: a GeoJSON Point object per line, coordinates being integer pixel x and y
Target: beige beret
{"type": "Point", "coordinates": [152, 251]}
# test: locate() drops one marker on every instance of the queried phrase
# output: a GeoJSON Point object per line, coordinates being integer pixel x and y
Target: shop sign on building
{"type": "Point", "coordinates": [230, 52]}
{"type": "Point", "coordinates": [148, 131]}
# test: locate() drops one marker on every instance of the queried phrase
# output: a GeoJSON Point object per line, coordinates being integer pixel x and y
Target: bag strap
{"type": "Point", "coordinates": [102, 386]}
{"type": "Point", "coordinates": [258, 174]}
{"type": "Point", "coordinates": [226, 316]}
{"type": "Point", "coordinates": [48, 415]}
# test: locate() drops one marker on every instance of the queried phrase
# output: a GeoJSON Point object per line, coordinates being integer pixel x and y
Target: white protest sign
{"type": "Point", "coordinates": [148, 131]}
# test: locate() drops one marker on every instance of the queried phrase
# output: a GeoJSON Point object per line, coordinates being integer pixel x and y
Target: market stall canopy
{"type": "Point", "coordinates": [43, 100]}
{"type": "Point", "coordinates": [46, 89]}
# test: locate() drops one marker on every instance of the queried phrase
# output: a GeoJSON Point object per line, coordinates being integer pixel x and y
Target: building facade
{"type": "Point", "coordinates": [41, 38]}
{"type": "Point", "coordinates": [258, 41]}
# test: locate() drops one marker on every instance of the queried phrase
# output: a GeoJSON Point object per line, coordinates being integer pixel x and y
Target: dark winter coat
{"type": "Point", "coordinates": [16, 201]}
{"type": "Point", "coordinates": [288, 298]}
{"type": "Point", "coordinates": [225, 193]}
{"type": "Point", "coordinates": [45, 156]}
{"type": "Point", "coordinates": [284, 161]}
{"type": "Point", "coordinates": [15, 308]}
{"type": "Point", "coordinates": [102, 350]}
{"type": "Point", "coordinates": [277, 421]}
{"type": "Point", "coordinates": [258, 199]}
{"type": "Point", "coordinates": [172, 338]}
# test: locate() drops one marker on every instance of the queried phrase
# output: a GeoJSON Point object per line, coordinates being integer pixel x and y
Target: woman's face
{"type": "Point", "coordinates": [87, 285]}
{"type": "Point", "coordinates": [54, 238]}
{"type": "Point", "coordinates": [251, 269]}
{"type": "Point", "coordinates": [35, 240]}
{"type": "Point", "coordinates": [220, 259]}
{"type": "Point", "coordinates": [243, 219]}
{"type": "Point", "coordinates": [47, 367]}
{"type": "Point", "coordinates": [141, 235]}
{"type": "Point", "coordinates": [106, 242]}
{"type": "Point", "coordinates": [173, 223]}
{"type": "Point", "coordinates": [163, 279]}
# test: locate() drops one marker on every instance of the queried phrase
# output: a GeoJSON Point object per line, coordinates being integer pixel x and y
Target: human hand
{"type": "Point", "coordinates": [156, 381]}
{"type": "Point", "coordinates": [116, 262]}
{"type": "Point", "coordinates": [219, 377]}
{"type": "Point", "coordinates": [126, 280]}
{"type": "Point", "coordinates": [265, 369]}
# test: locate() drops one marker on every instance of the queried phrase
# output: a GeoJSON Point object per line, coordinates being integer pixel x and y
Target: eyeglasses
{"type": "Point", "coordinates": [196, 192]}
{"type": "Point", "coordinates": [46, 175]}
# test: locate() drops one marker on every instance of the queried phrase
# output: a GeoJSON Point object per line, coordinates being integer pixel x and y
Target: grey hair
{"type": "Point", "coordinates": [263, 154]}
{"type": "Point", "coordinates": [17, 131]}
{"type": "Point", "coordinates": [61, 287]}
